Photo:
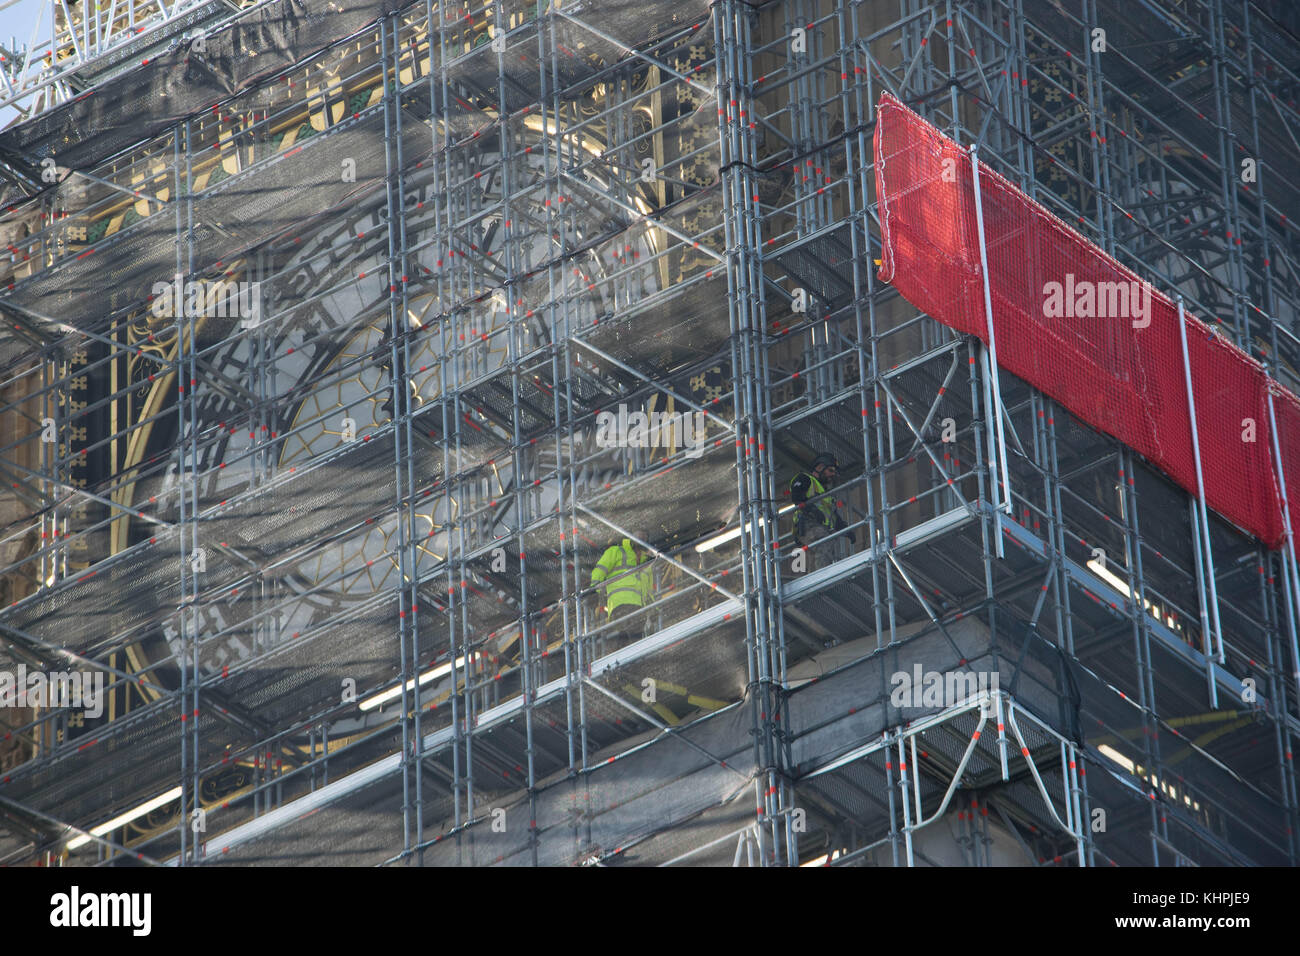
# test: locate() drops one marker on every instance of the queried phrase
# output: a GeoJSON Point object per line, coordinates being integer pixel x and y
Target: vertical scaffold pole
{"type": "Point", "coordinates": [889, 789]}
{"type": "Point", "coordinates": [1200, 488]}
{"type": "Point", "coordinates": [905, 798]}
{"type": "Point", "coordinates": [1003, 501]}
{"type": "Point", "coordinates": [1194, 515]}
{"type": "Point", "coordinates": [1289, 566]}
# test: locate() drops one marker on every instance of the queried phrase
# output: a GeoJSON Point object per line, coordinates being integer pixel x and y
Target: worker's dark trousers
{"type": "Point", "coordinates": [630, 630]}
{"type": "Point", "coordinates": [819, 552]}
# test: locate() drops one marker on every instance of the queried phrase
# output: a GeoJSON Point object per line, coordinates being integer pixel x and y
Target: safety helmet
{"type": "Point", "coordinates": [827, 460]}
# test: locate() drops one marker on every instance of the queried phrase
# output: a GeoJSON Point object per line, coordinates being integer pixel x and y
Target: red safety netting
{"type": "Point", "coordinates": [1079, 326]}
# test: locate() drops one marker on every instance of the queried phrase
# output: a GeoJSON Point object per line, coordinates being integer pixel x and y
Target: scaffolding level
{"type": "Point", "coordinates": [419, 432]}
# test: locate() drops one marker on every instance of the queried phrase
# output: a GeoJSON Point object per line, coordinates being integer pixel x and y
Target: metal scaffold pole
{"type": "Point", "coordinates": [1292, 586]}
{"type": "Point", "coordinates": [1002, 497]}
{"type": "Point", "coordinates": [1205, 552]}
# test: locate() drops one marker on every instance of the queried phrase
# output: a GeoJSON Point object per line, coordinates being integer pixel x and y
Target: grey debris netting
{"type": "Point", "coordinates": [852, 706]}
{"type": "Point", "coordinates": [133, 591]}
{"type": "Point", "coordinates": [143, 753]}
{"type": "Point", "coordinates": [687, 327]}
{"type": "Point", "coordinates": [669, 783]}
{"type": "Point", "coordinates": [716, 826]}
{"type": "Point", "coordinates": [636, 21]}
{"type": "Point", "coordinates": [138, 105]}
{"type": "Point", "coordinates": [363, 829]}
{"type": "Point", "coordinates": [821, 265]}
{"type": "Point", "coordinates": [665, 784]}
{"type": "Point", "coordinates": [1146, 42]}
{"type": "Point", "coordinates": [246, 209]}
{"type": "Point", "coordinates": [1237, 806]}
{"type": "Point", "coordinates": [108, 776]}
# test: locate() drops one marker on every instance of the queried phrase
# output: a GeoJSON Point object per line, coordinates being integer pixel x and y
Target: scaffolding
{"type": "Point", "coordinates": [307, 381]}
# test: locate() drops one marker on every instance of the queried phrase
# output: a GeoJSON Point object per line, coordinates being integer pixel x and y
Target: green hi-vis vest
{"type": "Point", "coordinates": [823, 505]}
{"type": "Point", "coordinates": [626, 586]}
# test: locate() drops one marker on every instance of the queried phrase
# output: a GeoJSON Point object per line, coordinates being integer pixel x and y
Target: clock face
{"type": "Point", "coordinates": [325, 384]}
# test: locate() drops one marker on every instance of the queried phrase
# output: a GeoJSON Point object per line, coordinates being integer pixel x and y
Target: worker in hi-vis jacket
{"type": "Point", "coordinates": [816, 515]}
{"type": "Point", "coordinates": [625, 579]}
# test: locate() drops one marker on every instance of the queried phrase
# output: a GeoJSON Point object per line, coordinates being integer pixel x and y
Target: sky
{"type": "Point", "coordinates": [17, 18]}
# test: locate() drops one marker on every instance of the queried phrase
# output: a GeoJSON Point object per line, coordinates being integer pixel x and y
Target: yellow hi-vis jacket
{"type": "Point", "coordinates": [814, 489]}
{"type": "Point", "coordinates": [626, 586]}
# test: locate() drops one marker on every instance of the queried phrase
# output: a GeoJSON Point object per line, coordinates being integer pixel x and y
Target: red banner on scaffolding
{"type": "Point", "coordinates": [1079, 326]}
